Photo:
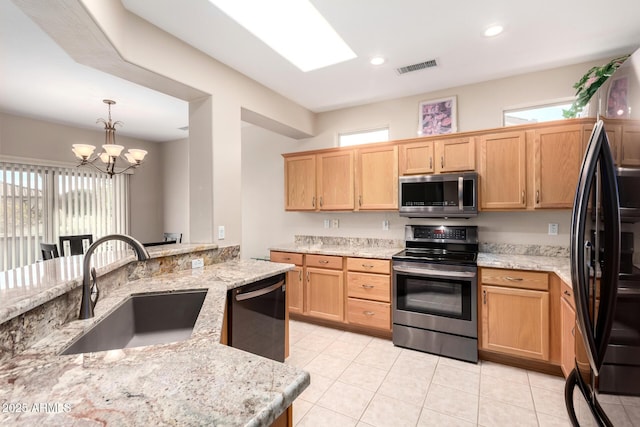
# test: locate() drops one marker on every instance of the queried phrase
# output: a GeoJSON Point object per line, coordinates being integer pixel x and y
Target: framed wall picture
{"type": "Point", "coordinates": [437, 117]}
{"type": "Point", "coordinates": [617, 105]}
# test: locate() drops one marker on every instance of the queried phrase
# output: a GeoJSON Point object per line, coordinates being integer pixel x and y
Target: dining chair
{"type": "Point", "coordinates": [75, 244]}
{"type": "Point", "coordinates": [176, 237]}
{"type": "Point", "coordinates": [49, 251]}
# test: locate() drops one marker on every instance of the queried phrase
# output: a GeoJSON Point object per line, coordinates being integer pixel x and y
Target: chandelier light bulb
{"type": "Point", "coordinates": [83, 151]}
{"type": "Point", "coordinates": [137, 155]}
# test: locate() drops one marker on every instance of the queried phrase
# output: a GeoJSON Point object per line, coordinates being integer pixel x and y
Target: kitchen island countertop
{"type": "Point", "coordinates": [193, 382]}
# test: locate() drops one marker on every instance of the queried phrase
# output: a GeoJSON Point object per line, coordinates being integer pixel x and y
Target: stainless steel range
{"type": "Point", "coordinates": [435, 291]}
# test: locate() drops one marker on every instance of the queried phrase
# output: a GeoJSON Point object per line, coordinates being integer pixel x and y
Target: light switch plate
{"type": "Point", "coordinates": [327, 223]}
{"type": "Point", "coordinates": [553, 229]}
{"type": "Point", "coordinates": [385, 225]}
{"type": "Point", "coordinates": [197, 263]}
{"type": "Point", "coordinates": [335, 223]}
{"type": "Point", "coordinates": [221, 232]}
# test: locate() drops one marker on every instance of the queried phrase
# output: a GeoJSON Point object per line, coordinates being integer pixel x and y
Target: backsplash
{"type": "Point", "coordinates": [514, 249]}
{"type": "Point", "coordinates": [358, 242]}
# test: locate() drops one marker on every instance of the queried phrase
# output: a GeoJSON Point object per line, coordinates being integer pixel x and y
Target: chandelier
{"type": "Point", "coordinates": [111, 151]}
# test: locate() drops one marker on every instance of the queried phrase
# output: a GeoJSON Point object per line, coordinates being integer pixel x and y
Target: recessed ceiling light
{"type": "Point", "coordinates": [493, 30]}
{"type": "Point", "coordinates": [293, 28]}
{"type": "Point", "coordinates": [377, 60]}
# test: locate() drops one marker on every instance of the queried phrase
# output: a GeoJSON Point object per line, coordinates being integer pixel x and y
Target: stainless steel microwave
{"type": "Point", "coordinates": [452, 195]}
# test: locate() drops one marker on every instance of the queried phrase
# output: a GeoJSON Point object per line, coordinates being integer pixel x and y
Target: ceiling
{"type": "Point", "coordinates": [40, 80]}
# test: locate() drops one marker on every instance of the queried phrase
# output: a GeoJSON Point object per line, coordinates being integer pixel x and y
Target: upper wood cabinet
{"type": "Point", "coordinates": [630, 146]}
{"type": "Point", "coordinates": [614, 134]}
{"type": "Point", "coordinates": [335, 180]}
{"type": "Point", "coordinates": [416, 158]}
{"type": "Point", "coordinates": [503, 171]}
{"type": "Point", "coordinates": [300, 183]}
{"type": "Point", "coordinates": [455, 155]}
{"type": "Point", "coordinates": [377, 178]}
{"type": "Point", "coordinates": [447, 155]}
{"type": "Point", "coordinates": [557, 160]}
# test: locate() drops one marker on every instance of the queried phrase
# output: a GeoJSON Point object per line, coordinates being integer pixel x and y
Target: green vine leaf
{"type": "Point", "coordinates": [589, 84]}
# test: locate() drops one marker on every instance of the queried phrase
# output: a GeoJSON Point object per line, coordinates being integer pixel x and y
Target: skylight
{"type": "Point", "coordinates": [293, 28]}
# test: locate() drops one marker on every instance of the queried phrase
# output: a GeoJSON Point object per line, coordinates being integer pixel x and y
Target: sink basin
{"type": "Point", "coordinates": [143, 319]}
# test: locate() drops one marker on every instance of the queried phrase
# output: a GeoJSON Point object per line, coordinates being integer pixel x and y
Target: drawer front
{"type": "Point", "coordinates": [515, 279]}
{"type": "Point", "coordinates": [324, 261]}
{"type": "Point", "coordinates": [567, 294]}
{"type": "Point", "coordinates": [286, 257]}
{"type": "Point", "coordinates": [369, 265]}
{"type": "Point", "coordinates": [369, 313]}
{"type": "Point", "coordinates": [369, 286]}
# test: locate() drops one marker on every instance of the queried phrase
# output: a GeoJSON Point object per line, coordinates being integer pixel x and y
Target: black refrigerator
{"type": "Point", "coordinates": [604, 387]}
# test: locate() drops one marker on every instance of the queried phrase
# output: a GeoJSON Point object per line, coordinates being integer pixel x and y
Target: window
{"type": "Point", "coordinates": [363, 137]}
{"type": "Point", "coordinates": [40, 203]}
{"type": "Point", "coordinates": [536, 113]}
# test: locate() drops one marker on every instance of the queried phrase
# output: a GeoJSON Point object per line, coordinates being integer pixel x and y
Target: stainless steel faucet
{"type": "Point", "coordinates": [89, 286]}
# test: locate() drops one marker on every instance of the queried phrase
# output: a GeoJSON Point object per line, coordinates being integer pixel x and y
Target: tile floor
{"type": "Point", "coordinates": [357, 380]}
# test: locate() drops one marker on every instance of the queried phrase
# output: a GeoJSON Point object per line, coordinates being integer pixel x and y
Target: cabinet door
{"type": "Point", "coordinates": [503, 171]}
{"type": "Point", "coordinates": [558, 157]}
{"type": "Point", "coordinates": [416, 158]}
{"type": "Point", "coordinates": [295, 290]}
{"type": "Point", "coordinates": [377, 178]}
{"type": "Point", "coordinates": [335, 180]}
{"type": "Point", "coordinates": [567, 326]}
{"type": "Point", "coordinates": [300, 183]}
{"type": "Point", "coordinates": [614, 134]}
{"type": "Point", "coordinates": [324, 292]}
{"type": "Point", "coordinates": [455, 155]}
{"type": "Point", "coordinates": [515, 321]}
{"type": "Point", "coordinates": [630, 150]}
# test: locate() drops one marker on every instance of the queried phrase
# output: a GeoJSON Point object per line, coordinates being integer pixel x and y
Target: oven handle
{"type": "Point", "coordinates": [428, 272]}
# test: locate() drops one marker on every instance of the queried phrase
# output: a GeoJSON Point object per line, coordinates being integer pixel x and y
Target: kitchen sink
{"type": "Point", "coordinates": [143, 319]}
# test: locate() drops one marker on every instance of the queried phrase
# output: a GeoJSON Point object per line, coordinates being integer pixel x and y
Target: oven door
{"type": "Point", "coordinates": [437, 297]}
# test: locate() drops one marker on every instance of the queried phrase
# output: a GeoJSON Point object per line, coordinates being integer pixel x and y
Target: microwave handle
{"type": "Point", "coordinates": [460, 193]}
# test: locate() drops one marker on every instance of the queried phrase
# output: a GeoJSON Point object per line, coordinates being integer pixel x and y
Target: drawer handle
{"type": "Point", "coordinates": [368, 286]}
{"type": "Point", "coordinates": [323, 261]}
{"type": "Point", "coordinates": [573, 331]}
{"type": "Point", "coordinates": [287, 258]}
{"type": "Point", "coordinates": [313, 202]}
{"type": "Point", "coordinates": [567, 293]}
{"type": "Point", "coordinates": [368, 313]}
{"type": "Point", "coordinates": [514, 279]}
{"type": "Point", "coordinates": [367, 265]}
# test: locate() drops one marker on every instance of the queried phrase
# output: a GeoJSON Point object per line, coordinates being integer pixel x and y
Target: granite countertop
{"type": "Point", "coordinates": [25, 288]}
{"type": "Point", "coordinates": [339, 250]}
{"type": "Point", "coordinates": [559, 265]}
{"type": "Point", "coordinates": [193, 382]}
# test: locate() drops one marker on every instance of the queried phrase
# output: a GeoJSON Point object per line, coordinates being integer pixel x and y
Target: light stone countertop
{"type": "Point", "coordinates": [559, 265]}
{"type": "Point", "coordinates": [194, 382]}
{"type": "Point", "coordinates": [339, 250]}
{"type": "Point", "coordinates": [28, 287]}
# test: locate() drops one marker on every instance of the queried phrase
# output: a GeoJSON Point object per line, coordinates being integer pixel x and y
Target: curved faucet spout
{"type": "Point", "coordinates": [87, 303]}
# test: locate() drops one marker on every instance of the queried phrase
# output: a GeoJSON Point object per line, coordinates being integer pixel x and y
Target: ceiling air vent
{"type": "Point", "coordinates": [184, 128]}
{"type": "Point", "coordinates": [416, 67]}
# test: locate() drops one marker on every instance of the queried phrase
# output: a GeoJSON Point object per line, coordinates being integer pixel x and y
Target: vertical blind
{"type": "Point", "coordinates": [40, 203]}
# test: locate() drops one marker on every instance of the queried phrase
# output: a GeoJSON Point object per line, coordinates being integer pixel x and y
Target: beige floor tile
{"type": "Point", "coordinates": [457, 378]}
{"type": "Point", "coordinates": [314, 342]}
{"type": "Point", "coordinates": [460, 364]}
{"type": "Point", "coordinates": [495, 413]}
{"type": "Point", "coordinates": [429, 418]}
{"type": "Point", "coordinates": [346, 399]}
{"type": "Point", "coordinates": [618, 415]}
{"type": "Point", "coordinates": [363, 376]}
{"type": "Point", "coordinates": [506, 391]}
{"type": "Point", "coordinates": [417, 358]}
{"type": "Point", "coordinates": [344, 349]}
{"type": "Point", "coordinates": [609, 398]}
{"type": "Point", "coordinates": [299, 357]}
{"type": "Point", "coordinates": [323, 331]}
{"type": "Point", "coordinates": [451, 401]}
{"type": "Point", "coordinates": [361, 424]}
{"type": "Point", "coordinates": [550, 382]}
{"type": "Point", "coordinates": [545, 420]}
{"type": "Point", "coordinates": [297, 326]}
{"type": "Point", "coordinates": [354, 338]}
{"type": "Point", "coordinates": [319, 384]}
{"type": "Point", "coordinates": [382, 343]}
{"type": "Point", "coordinates": [549, 402]}
{"type": "Point", "coordinates": [300, 409]}
{"type": "Point", "coordinates": [384, 411]}
{"type": "Point", "coordinates": [327, 366]}
{"type": "Point", "coordinates": [407, 389]}
{"type": "Point", "coordinates": [630, 400]}
{"type": "Point", "coordinates": [322, 417]}
{"type": "Point", "coordinates": [505, 372]}
{"type": "Point", "coordinates": [381, 357]}
{"type": "Point", "coordinates": [633, 412]}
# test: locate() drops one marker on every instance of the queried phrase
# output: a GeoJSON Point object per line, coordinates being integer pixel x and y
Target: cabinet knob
{"type": "Point", "coordinates": [567, 293]}
{"type": "Point", "coordinates": [320, 201]}
{"type": "Point", "coordinates": [360, 200]}
{"type": "Point", "coordinates": [368, 313]}
{"type": "Point", "coordinates": [484, 296]}
{"type": "Point", "coordinates": [442, 161]}
{"type": "Point", "coordinates": [313, 202]}
{"type": "Point", "coordinates": [323, 261]}
{"type": "Point", "coordinates": [368, 286]}
{"type": "Point", "coordinates": [523, 197]}
{"type": "Point", "coordinates": [300, 276]}
{"type": "Point", "coordinates": [430, 162]}
{"type": "Point", "coordinates": [537, 196]}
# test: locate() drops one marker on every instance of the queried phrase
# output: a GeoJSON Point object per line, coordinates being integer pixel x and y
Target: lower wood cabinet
{"type": "Point", "coordinates": [568, 330]}
{"type": "Point", "coordinates": [372, 314]}
{"type": "Point", "coordinates": [324, 291]}
{"type": "Point", "coordinates": [514, 309]}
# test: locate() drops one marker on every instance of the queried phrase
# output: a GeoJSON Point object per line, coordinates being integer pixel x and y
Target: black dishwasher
{"type": "Point", "coordinates": [256, 317]}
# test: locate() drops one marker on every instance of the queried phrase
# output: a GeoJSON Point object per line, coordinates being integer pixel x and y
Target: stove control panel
{"type": "Point", "coordinates": [429, 232]}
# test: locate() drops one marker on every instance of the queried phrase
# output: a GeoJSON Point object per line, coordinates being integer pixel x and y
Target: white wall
{"type": "Point", "coordinates": [175, 183]}
{"type": "Point", "coordinates": [28, 138]}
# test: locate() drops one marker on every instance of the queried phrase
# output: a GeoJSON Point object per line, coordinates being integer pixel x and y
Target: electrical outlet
{"type": "Point", "coordinates": [553, 229]}
{"type": "Point", "coordinates": [335, 223]}
{"type": "Point", "coordinates": [327, 223]}
{"type": "Point", "coordinates": [221, 232]}
{"type": "Point", "coordinates": [197, 263]}
{"type": "Point", "coordinates": [385, 225]}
